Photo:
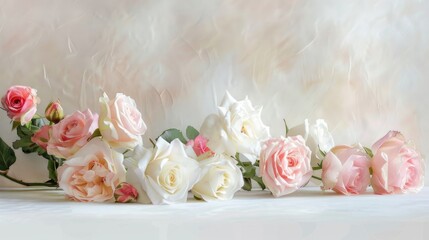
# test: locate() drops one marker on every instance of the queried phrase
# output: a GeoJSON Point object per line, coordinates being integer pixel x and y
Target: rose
{"type": "Point", "coordinates": [54, 112]}
{"type": "Point", "coordinates": [285, 164]}
{"type": "Point", "coordinates": [20, 103]}
{"type": "Point", "coordinates": [41, 137]}
{"type": "Point", "coordinates": [316, 136]}
{"type": "Point", "coordinates": [120, 121]}
{"type": "Point", "coordinates": [397, 166]}
{"type": "Point", "coordinates": [162, 175]}
{"type": "Point", "coordinates": [125, 193]}
{"type": "Point", "coordinates": [221, 179]}
{"type": "Point", "coordinates": [238, 127]}
{"type": "Point", "coordinates": [345, 169]}
{"type": "Point", "coordinates": [93, 173]}
{"type": "Point", "coordinates": [72, 133]}
{"type": "Point", "coordinates": [199, 145]}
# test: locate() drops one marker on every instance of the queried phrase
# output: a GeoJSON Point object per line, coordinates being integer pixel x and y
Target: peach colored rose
{"type": "Point", "coordinates": [41, 137]}
{"type": "Point", "coordinates": [120, 122]}
{"type": "Point", "coordinates": [93, 173]}
{"type": "Point", "coordinates": [199, 145]}
{"type": "Point", "coordinates": [397, 166]}
{"type": "Point", "coordinates": [285, 164]}
{"type": "Point", "coordinates": [72, 133]}
{"type": "Point", "coordinates": [20, 103]}
{"type": "Point", "coordinates": [345, 170]}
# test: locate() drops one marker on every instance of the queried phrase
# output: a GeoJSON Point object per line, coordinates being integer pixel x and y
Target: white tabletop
{"type": "Point", "coordinates": [306, 214]}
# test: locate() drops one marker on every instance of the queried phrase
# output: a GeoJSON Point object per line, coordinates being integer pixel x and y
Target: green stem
{"type": "Point", "coordinates": [317, 168]}
{"type": "Point", "coordinates": [318, 178]}
{"type": "Point", "coordinates": [28, 184]}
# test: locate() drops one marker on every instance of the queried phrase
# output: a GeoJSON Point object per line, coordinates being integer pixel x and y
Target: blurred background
{"type": "Point", "coordinates": [361, 65]}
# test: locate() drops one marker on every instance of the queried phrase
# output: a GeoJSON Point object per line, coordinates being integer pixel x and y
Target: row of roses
{"type": "Point", "coordinates": [92, 152]}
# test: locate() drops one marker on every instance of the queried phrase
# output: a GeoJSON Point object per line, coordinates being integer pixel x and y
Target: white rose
{"type": "Point", "coordinates": [221, 179]}
{"type": "Point", "coordinates": [93, 173]}
{"type": "Point", "coordinates": [236, 128]}
{"type": "Point", "coordinates": [316, 136]}
{"type": "Point", "coordinates": [120, 121]}
{"type": "Point", "coordinates": [163, 175]}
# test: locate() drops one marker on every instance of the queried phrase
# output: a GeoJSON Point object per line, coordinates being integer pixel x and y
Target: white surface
{"type": "Point", "coordinates": [306, 214]}
{"type": "Point", "coordinates": [361, 65]}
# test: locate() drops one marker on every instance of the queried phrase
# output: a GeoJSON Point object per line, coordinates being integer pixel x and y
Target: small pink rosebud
{"type": "Point", "coordinates": [125, 193]}
{"type": "Point", "coordinates": [199, 144]}
{"type": "Point", "coordinates": [54, 112]}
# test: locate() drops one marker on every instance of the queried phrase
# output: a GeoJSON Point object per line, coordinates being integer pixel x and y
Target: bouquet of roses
{"type": "Point", "coordinates": [101, 157]}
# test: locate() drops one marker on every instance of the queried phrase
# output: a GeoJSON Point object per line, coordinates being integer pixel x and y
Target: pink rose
{"type": "Point", "coordinates": [285, 164]}
{"type": "Point", "coordinates": [126, 193]}
{"type": "Point", "coordinates": [93, 173]}
{"type": "Point", "coordinates": [120, 122]}
{"type": "Point", "coordinates": [199, 145]}
{"type": "Point", "coordinates": [41, 137]}
{"type": "Point", "coordinates": [72, 133]}
{"type": "Point", "coordinates": [20, 103]}
{"type": "Point", "coordinates": [397, 166]}
{"type": "Point", "coordinates": [345, 170]}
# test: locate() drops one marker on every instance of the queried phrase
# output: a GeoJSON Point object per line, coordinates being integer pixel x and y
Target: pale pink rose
{"type": "Point", "coordinates": [345, 170]}
{"type": "Point", "coordinates": [72, 133]}
{"type": "Point", "coordinates": [20, 103]}
{"type": "Point", "coordinates": [285, 164]}
{"type": "Point", "coordinates": [120, 122]}
{"type": "Point", "coordinates": [41, 137]}
{"type": "Point", "coordinates": [93, 173]}
{"type": "Point", "coordinates": [199, 145]}
{"type": "Point", "coordinates": [397, 167]}
{"type": "Point", "coordinates": [125, 193]}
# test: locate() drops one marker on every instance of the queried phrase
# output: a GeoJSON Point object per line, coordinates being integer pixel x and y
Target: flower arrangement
{"type": "Point", "coordinates": [97, 157]}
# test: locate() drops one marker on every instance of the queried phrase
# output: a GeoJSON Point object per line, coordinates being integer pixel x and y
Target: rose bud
{"type": "Point", "coordinates": [125, 193]}
{"type": "Point", "coordinates": [54, 112]}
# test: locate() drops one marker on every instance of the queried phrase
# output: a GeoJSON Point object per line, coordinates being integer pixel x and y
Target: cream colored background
{"type": "Point", "coordinates": [361, 65]}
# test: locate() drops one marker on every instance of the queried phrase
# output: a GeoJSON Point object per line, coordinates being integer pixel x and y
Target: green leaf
{"type": "Point", "coordinates": [170, 134]}
{"type": "Point", "coordinates": [23, 131]}
{"type": "Point", "coordinates": [52, 168]}
{"type": "Point", "coordinates": [323, 153]}
{"type": "Point", "coordinates": [15, 124]}
{"type": "Point", "coordinates": [22, 143]}
{"type": "Point", "coordinates": [369, 152]}
{"type": "Point", "coordinates": [7, 156]}
{"type": "Point", "coordinates": [286, 127]}
{"type": "Point", "coordinates": [259, 181]}
{"type": "Point", "coordinates": [247, 184]}
{"type": "Point", "coordinates": [249, 172]}
{"type": "Point", "coordinates": [37, 123]}
{"type": "Point", "coordinates": [191, 133]}
{"type": "Point", "coordinates": [95, 134]}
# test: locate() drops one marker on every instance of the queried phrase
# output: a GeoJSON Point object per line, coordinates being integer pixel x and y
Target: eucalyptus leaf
{"type": "Point", "coordinates": [191, 133]}
{"type": "Point", "coordinates": [170, 134]}
{"type": "Point", "coordinates": [7, 156]}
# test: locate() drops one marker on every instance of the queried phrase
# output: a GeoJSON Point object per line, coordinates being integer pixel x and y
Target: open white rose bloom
{"type": "Point", "coordinates": [163, 175]}
{"type": "Point", "coordinates": [221, 179]}
{"type": "Point", "coordinates": [237, 127]}
{"type": "Point", "coordinates": [316, 136]}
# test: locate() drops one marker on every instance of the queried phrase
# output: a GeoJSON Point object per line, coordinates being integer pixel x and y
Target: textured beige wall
{"type": "Point", "coordinates": [361, 65]}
